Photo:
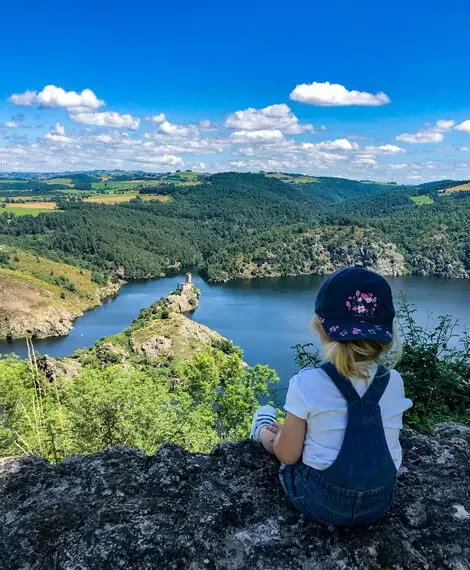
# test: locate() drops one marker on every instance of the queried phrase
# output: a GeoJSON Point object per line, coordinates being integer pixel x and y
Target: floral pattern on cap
{"type": "Point", "coordinates": [362, 304]}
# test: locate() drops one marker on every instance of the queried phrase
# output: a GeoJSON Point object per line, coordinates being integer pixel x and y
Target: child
{"type": "Point", "coordinates": [339, 443]}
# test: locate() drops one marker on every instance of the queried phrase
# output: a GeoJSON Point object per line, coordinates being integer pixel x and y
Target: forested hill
{"type": "Point", "coordinates": [231, 225]}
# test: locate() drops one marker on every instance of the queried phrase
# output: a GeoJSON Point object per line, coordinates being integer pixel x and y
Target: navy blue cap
{"type": "Point", "coordinates": [355, 303]}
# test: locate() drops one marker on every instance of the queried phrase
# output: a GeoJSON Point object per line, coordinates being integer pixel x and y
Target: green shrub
{"type": "Point", "coordinates": [435, 366]}
{"type": "Point", "coordinates": [99, 278]}
{"type": "Point", "coordinates": [196, 404]}
{"type": "Point", "coordinates": [4, 258]}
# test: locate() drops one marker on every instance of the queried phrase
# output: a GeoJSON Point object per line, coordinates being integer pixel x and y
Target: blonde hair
{"type": "Point", "coordinates": [349, 356]}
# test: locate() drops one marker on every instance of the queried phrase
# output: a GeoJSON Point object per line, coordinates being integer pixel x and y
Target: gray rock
{"type": "Point", "coordinates": [176, 510]}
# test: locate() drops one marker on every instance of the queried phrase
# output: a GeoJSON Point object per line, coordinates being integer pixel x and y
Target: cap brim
{"type": "Point", "coordinates": [357, 330]}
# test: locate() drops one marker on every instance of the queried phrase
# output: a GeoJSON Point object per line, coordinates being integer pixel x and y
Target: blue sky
{"type": "Point", "coordinates": [357, 89]}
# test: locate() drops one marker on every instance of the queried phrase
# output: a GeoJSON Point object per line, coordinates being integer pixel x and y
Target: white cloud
{"type": "Point", "coordinates": [25, 99]}
{"type": "Point", "coordinates": [274, 117]}
{"type": "Point", "coordinates": [368, 160]}
{"type": "Point", "coordinates": [398, 166]}
{"type": "Point", "coordinates": [443, 125]}
{"type": "Point", "coordinates": [464, 148]}
{"type": "Point", "coordinates": [334, 95]}
{"type": "Point", "coordinates": [58, 138]}
{"type": "Point", "coordinates": [463, 127]}
{"type": "Point", "coordinates": [265, 136]}
{"type": "Point", "coordinates": [167, 159]}
{"type": "Point", "coordinates": [107, 119]}
{"type": "Point", "coordinates": [52, 97]}
{"type": "Point", "coordinates": [58, 135]}
{"type": "Point", "coordinates": [11, 124]}
{"type": "Point", "coordinates": [385, 149]}
{"type": "Point", "coordinates": [338, 144]}
{"type": "Point", "coordinates": [105, 138]}
{"type": "Point", "coordinates": [391, 149]}
{"type": "Point", "coordinates": [59, 129]}
{"type": "Point", "coordinates": [206, 125]}
{"type": "Point", "coordinates": [156, 118]}
{"type": "Point", "coordinates": [182, 131]}
{"type": "Point", "coordinates": [430, 136]}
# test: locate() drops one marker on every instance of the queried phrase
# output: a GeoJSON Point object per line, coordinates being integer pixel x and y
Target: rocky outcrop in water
{"type": "Point", "coordinates": [227, 511]}
{"type": "Point", "coordinates": [186, 298]}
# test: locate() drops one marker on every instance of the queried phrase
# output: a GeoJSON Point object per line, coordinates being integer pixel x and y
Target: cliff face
{"type": "Point", "coordinates": [175, 510]}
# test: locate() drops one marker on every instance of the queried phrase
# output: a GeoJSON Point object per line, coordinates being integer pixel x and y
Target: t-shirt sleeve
{"type": "Point", "coordinates": [405, 403]}
{"type": "Point", "coordinates": [295, 401]}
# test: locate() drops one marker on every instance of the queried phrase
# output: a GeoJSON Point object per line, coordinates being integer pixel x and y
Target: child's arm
{"type": "Point", "coordinates": [289, 442]}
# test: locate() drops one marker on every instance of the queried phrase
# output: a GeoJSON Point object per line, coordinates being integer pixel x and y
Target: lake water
{"type": "Point", "coordinates": [265, 317]}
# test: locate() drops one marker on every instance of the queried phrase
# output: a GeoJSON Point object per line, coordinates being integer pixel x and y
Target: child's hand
{"type": "Point", "coordinates": [274, 428]}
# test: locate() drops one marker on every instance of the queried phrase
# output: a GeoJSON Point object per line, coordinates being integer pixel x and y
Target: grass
{"type": "Point", "coordinates": [31, 208]}
{"type": "Point", "coordinates": [28, 199]}
{"type": "Point", "coordinates": [422, 200]}
{"type": "Point", "coordinates": [29, 270]}
{"type": "Point", "coordinates": [42, 267]}
{"type": "Point", "coordinates": [122, 198]}
{"type": "Point", "coordinates": [460, 188]}
{"type": "Point", "coordinates": [67, 181]}
{"type": "Point", "coordinates": [122, 185]}
{"type": "Point", "coordinates": [305, 180]}
{"type": "Point", "coordinates": [185, 183]}
{"type": "Point", "coordinates": [292, 179]}
{"type": "Point", "coordinates": [75, 192]}
{"type": "Point", "coordinates": [182, 176]}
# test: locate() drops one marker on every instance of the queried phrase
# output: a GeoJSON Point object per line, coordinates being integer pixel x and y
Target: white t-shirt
{"type": "Point", "coordinates": [313, 396]}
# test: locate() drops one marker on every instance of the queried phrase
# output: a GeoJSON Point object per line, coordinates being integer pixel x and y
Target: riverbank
{"type": "Point", "coordinates": [41, 298]}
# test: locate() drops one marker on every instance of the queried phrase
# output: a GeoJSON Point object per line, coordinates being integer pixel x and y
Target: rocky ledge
{"type": "Point", "coordinates": [176, 510]}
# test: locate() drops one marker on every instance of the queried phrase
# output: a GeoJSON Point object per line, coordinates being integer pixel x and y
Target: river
{"type": "Point", "coordinates": [265, 317]}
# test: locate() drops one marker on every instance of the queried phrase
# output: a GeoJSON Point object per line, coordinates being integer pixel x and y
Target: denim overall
{"type": "Point", "coordinates": [358, 488]}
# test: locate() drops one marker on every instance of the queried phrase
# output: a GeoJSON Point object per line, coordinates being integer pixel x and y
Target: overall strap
{"type": "Point", "coordinates": [378, 385]}
{"type": "Point", "coordinates": [343, 384]}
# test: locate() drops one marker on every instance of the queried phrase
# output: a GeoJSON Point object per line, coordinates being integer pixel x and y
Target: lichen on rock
{"type": "Point", "coordinates": [122, 509]}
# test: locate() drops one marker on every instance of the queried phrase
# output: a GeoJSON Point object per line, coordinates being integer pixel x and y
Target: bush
{"type": "Point", "coordinates": [226, 346]}
{"type": "Point", "coordinates": [4, 258]}
{"type": "Point", "coordinates": [435, 366]}
{"type": "Point", "coordinates": [99, 278]}
{"type": "Point", "coordinates": [195, 404]}
{"type": "Point", "coordinates": [65, 282]}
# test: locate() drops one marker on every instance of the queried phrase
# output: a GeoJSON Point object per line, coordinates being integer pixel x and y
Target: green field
{"type": "Point", "coordinates": [65, 181]}
{"type": "Point", "coordinates": [422, 200]}
{"type": "Point", "coordinates": [122, 185]}
{"type": "Point", "coordinates": [19, 211]}
{"type": "Point", "coordinates": [181, 176]}
{"type": "Point", "coordinates": [291, 179]}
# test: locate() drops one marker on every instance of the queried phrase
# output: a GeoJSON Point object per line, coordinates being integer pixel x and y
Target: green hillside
{"type": "Point", "coordinates": [247, 225]}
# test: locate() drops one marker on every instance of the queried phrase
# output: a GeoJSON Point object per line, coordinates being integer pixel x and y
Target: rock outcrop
{"type": "Point", "coordinates": [175, 336]}
{"type": "Point", "coordinates": [176, 510]}
{"type": "Point", "coordinates": [186, 298]}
